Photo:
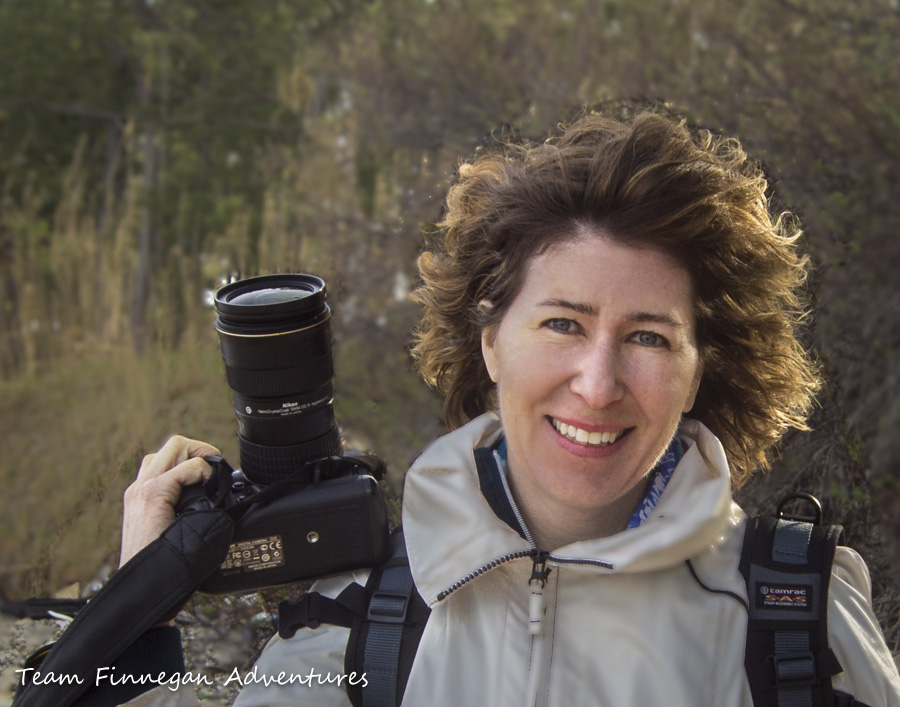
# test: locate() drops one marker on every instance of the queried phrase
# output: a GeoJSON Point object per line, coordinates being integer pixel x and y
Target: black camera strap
{"type": "Point", "coordinates": [148, 590]}
{"type": "Point", "coordinates": [152, 587]}
{"type": "Point", "coordinates": [40, 608]}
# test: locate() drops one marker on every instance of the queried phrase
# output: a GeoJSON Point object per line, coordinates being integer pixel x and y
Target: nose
{"type": "Point", "coordinates": [597, 377]}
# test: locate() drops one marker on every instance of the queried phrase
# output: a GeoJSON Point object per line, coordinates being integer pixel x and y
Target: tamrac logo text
{"type": "Point", "coordinates": [784, 596]}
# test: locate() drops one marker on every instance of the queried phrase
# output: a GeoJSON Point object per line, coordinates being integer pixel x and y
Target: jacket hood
{"type": "Point", "coordinates": [451, 531]}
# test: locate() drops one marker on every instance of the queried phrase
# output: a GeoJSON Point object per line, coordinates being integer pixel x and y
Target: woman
{"type": "Point", "coordinates": [611, 316]}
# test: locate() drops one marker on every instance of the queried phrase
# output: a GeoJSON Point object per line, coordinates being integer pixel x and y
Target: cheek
{"type": "Point", "coordinates": [516, 371]}
{"type": "Point", "coordinates": [662, 388]}
{"type": "Point", "coordinates": [526, 377]}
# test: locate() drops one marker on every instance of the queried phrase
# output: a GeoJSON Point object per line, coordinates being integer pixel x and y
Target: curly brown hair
{"type": "Point", "coordinates": [646, 181]}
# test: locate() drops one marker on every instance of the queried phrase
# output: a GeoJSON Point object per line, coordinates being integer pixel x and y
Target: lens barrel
{"type": "Point", "coordinates": [276, 343]}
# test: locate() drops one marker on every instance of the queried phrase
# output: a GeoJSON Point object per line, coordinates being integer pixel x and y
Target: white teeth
{"type": "Point", "coordinates": [576, 434]}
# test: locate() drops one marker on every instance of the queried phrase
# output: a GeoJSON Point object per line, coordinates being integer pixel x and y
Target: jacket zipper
{"type": "Point", "coordinates": [534, 552]}
{"type": "Point", "coordinates": [536, 583]}
{"type": "Point", "coordinates": [509, 497]}
{"type": "Point", "coordinates": [481, 570]}
{"type": "Point", "coordinates": [537, 607]}
{"type": "Point", "coordinates": [521, 522]}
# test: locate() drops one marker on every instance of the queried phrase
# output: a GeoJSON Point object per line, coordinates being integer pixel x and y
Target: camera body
{"type": "Point", "coordinates": [329, 518]}
{"type": "Point", "coordinates": [302, 508]}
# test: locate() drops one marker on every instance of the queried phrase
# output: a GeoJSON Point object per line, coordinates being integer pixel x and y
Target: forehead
{"type": "Point", "coordinates": [596, 269]}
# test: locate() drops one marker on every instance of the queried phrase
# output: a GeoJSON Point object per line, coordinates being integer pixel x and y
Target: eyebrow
{"type": "Point", "coordinates": [579, 307]}
{"type": "Point", "coordinates": [590, 310]}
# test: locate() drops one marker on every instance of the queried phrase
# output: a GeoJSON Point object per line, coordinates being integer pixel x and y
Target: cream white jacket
{"type": "Point", "coordinates": [621, 621]}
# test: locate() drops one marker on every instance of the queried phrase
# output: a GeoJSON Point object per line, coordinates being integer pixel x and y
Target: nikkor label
{"type": "Point", "coordinates": [254, 555]}
{"type": "Point", "coordinates": [279, 409]}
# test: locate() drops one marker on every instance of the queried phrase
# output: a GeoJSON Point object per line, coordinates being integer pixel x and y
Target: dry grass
{"type": "Point", "coordinates": [72, 442]}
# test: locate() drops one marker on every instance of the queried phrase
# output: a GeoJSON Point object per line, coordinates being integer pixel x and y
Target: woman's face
{"type": "Point", "coordinates": [595, 361]}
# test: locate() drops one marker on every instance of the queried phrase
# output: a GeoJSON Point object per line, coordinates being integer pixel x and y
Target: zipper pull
{"type": "Point", "coordinates": [536, 607]}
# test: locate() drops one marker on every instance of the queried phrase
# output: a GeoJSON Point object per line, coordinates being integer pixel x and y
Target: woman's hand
{"type": "Point", "coordinates": [150, 500]}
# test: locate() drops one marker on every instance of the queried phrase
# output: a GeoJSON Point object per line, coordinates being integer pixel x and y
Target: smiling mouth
{"type": "Point", "coordinates": [588, 439]}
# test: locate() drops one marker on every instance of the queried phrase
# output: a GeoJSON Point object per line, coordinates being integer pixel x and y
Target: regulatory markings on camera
{"type": "Point", "coordinates": [254, 555]}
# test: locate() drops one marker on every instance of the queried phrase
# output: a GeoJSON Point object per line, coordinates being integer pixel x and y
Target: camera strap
{"type": "Point", "coordinates": [40, 608]}
{"type": "Point", "coordinates": [148, 590]}
{"type": "Point", "coordinates": [152, 587]}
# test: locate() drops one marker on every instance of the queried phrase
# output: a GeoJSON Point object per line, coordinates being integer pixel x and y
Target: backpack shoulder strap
{"type": "Point", "coordinates": [786, 563]}
{"type": "Point", "coordinates": [383, 644]}
{"type": "Point", "coordinates": [386, 619]}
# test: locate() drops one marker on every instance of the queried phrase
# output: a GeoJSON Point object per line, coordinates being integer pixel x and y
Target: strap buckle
{"type": "Point", "coordinates": [387, 607]}
{"type": "Point", "coordinates": [295, 615]}
{"type": "Point", "coordinates": [815, 518]}
{"type": "Point", "coordinates": [794, 669]}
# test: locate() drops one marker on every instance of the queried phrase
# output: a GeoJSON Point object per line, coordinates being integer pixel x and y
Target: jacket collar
{"type": "Point", "coordinates": [452, 531]}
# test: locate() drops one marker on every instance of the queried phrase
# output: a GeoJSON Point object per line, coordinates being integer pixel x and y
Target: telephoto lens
{"type": "Point", "coordinates": [276, 342]}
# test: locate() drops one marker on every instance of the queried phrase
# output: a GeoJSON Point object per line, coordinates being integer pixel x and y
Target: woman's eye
{"type": "Point", "coordinates": [648, 338]}
{"type": "Point", "coordinates": [563, 326]}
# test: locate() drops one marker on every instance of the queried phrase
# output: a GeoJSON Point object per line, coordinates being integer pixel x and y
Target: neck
{"type": "Point", "coordinates": [553, 525]}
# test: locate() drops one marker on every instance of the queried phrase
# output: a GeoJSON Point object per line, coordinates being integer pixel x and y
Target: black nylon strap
{"type": "Point", "coordinates": [791, 542]}
{"type": "Point", "coordinates": [42, 608]}
{"type": "Point", "coordinates": [149, 589]}
{"type": "Point", "coordinates": [387, 612]}
{"type": "Point", "coordinates": [384, 639]}
{"type": "Point", "coordinates": [795, 669]}
{"type": "Point", "coordinates": [786, 565]}
{"type": "Point", "coordinates": [842, 699]}
{"type": "Point", "coordinates": [315, 609]}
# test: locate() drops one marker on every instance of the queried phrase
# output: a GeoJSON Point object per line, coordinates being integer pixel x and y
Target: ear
{"type": "Point", "coordinates": [488, 353]}
{"type": "Point", "coordinates": [488, 336]}
{"type": "Point", "coordinates": [695, 386]}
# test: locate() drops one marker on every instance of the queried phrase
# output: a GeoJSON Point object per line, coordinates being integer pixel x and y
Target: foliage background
{"type": "Point", "coordinates": [151, 148]}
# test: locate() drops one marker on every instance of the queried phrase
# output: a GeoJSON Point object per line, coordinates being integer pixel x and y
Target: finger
{"type": "Point", "coordinates": [150, 500]}
{"type": "Point", "coordinates": [175, 451]}
{"type": "Point", "coordinates": [192, 471]}
{"type": "Point", "coordinates": [178, 449]}
{"type": "Point", "coordinates": [164, 489]}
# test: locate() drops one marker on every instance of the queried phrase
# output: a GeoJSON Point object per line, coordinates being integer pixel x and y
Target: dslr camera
{"type": "Point", "coordinates": [303, 508]}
